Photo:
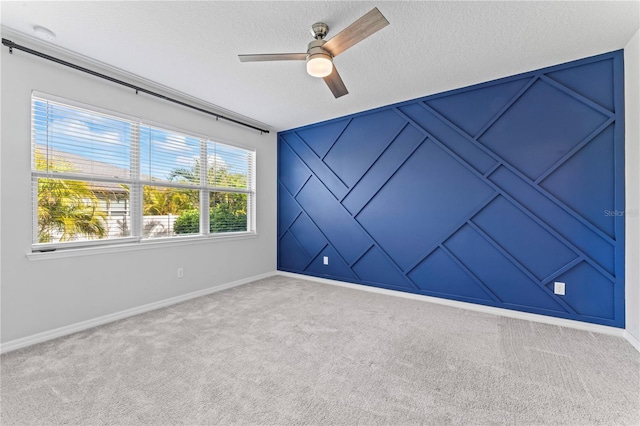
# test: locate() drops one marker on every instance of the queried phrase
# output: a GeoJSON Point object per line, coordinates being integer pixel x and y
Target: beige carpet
{"type": "Point", "coordinates": [287, 351]}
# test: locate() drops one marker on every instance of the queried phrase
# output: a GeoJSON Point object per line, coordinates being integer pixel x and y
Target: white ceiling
{"type": "Point", "coordinates": [429, 47]}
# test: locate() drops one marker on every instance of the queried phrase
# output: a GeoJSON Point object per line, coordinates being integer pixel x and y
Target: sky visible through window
{"type": "Point", "coordinates": [93, 138]}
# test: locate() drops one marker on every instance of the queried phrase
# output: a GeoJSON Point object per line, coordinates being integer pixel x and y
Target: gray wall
{"type": "Point", "coordinates": [632, 157]}
{"type": "Point", "coordinates": [49, 292]}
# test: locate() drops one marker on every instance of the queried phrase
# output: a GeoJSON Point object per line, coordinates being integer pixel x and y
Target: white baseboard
{"type": "Point", "coordinates": [472, 307]}
{"type": "Point", "coordinates": [83, 325]}
{"type": "Point", "coordinates": [74, 328]}
{"type": "Point", "coordinates": [633, 340]}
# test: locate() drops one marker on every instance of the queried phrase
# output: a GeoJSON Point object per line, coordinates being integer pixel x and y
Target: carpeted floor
{"type": "Point", "coordinates": [288, 351]}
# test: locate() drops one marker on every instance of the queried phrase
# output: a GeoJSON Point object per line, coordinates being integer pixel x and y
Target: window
{"type": "Point", "coordinates": [100, 178]}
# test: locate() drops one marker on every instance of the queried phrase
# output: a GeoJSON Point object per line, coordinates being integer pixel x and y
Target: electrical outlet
{"type": "Point", "coordinates": [558, 288]}
{"type": "Point", "coordinates": [180, 273]}
{"type": "Point", "coordinates": [325, 260]}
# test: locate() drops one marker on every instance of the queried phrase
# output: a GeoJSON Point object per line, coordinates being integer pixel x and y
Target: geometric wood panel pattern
{"type": "Point", "coordinates": [486, 194]}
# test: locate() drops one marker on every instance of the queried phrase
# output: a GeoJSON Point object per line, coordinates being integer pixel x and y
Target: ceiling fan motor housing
{"type": "Point", "coordinates": [315, 48]}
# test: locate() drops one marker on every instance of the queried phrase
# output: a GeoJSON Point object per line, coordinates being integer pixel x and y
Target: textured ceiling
{"type": "Point", "coordinates": [429, 47]}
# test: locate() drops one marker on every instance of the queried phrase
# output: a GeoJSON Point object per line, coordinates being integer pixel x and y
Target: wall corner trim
{"type": "Point", "coordinates": [632, 339]}
{"type": "Point", "coordinates": [94, 322]}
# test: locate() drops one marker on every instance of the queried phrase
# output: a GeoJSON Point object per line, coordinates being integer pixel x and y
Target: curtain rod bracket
{"type": "Point", "coordinates": [11, 45]}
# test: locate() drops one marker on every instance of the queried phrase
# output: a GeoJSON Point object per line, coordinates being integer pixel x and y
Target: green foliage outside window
{"type": "Point", "coordinates": [66, 208]}
{"type": "Point", "coordinates": [163, 201]}
{"type": "Point", "coordinates": [229, 210]}
{"type": "Point", "coordinates": [222, 218]}
{"type": "Point", "coordinates": [69, 209]}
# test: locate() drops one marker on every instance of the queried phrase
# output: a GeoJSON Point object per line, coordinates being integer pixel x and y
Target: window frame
{"type": "Point", "coordinates": [136, 184]}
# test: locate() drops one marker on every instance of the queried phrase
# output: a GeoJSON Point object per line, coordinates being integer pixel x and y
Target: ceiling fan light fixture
{"type": "Point", "coordinates": [319, 65]}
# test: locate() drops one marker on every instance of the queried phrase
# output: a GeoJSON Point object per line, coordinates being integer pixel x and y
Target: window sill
{"type": "Point", "coordinates": [139, 245]}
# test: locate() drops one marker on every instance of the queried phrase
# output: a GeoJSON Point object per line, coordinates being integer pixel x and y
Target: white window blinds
{"type": "Point", "coordinates": [75, 142]}
{"type": "Point", "coordinates": [101, 177]}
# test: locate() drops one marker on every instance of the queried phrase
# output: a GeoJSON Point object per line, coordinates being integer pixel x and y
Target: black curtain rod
{"type": "Point", "coordinates": [13, 45]}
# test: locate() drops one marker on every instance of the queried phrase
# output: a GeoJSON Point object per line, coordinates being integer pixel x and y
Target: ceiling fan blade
{"type": "Point", "coordinates": [335, 83]}
{"type": "Point", "coordinates": [273, 57]}
{"type": "Point", "coordinates": [368, 24]}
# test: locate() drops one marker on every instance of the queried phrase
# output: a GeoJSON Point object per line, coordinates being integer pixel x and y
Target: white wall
{"type": "Point", "coordinates": [632, 180]}
{"type": "Point", "coordinates": [42, 295]}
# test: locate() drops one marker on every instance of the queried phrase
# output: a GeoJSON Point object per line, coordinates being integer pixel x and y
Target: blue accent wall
{"type": "Point", "coordinates": [487, 194]}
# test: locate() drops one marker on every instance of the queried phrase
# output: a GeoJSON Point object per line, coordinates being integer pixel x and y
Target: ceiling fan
{"type": "Point", "coordinates": [320, 53]}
